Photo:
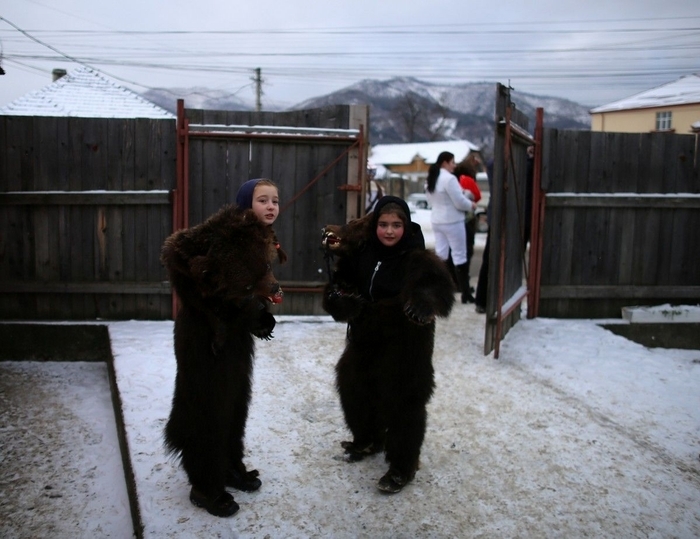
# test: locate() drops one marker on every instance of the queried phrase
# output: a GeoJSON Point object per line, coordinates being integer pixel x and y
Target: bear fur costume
{"type": "Point", "coordinates": [221, 272]}
{"type": "Point", "coordinates": [385, 375]}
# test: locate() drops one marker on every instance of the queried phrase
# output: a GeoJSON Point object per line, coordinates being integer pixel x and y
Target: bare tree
{"type": "Point", "coordinates": [409, 111]}
{"type": "Point", "coordinates": [421, 118]}
{"type": "Point", "coordinates": [439, 120]}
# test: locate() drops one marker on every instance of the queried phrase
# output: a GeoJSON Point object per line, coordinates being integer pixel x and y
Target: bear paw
{"type": "Point", "coordinates": [263, 327]}
{"type": "Point", "coordinates": [418, 314]}
{"type": "Point", "coordinates": [247, 482]}
{"type": "Point", "coordinates": [355, 452]}
{"type": "Point", "coordinates": [342, 305]}
{"type": "Point", "coordinates": [222, 505]}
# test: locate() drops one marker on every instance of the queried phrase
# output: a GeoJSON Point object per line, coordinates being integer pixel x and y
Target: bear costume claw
{"type": "Point", "coordinates": [247, 482]}
{"type": "Point", "coordinates": [419, 315]}
{"type": "Point", "coordinates": [222, 506]}
{"type": "Point", "coordinates": [355, 453]}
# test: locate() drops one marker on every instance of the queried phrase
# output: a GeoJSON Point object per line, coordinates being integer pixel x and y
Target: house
{"type": "Point", "coordinates": [412, 160]}
{"type": "Point", "coordinates": [83, 92]}
{"type": "Point", "coordinates": [672, 107]}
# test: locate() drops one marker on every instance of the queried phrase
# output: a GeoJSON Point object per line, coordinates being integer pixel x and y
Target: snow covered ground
{"type": "Point", "coordinates": [573, 432]}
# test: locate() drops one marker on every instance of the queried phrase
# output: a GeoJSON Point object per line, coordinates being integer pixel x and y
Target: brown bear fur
{"type": "Point", "coordinates": [221, 273]}
{"type": "Point", "coordinates": [385, 375]}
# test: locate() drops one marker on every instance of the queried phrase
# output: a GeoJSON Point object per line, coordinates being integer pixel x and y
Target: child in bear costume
{"type": "Point", "coordinates": [221, 271]}
{"type": "Point", "coordinates": [389, 289]}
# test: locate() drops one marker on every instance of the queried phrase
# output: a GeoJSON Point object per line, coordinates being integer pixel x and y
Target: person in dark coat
{"type": "Point", "coordinates": [389, 289]}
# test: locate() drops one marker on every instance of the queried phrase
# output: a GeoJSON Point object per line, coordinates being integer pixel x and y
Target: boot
{"type": "Point", "coordinates": [451, 268]}
{"type": "Point", "coordinates": [393, 481]}
{"type": "Point", "coordinates": [222, 505]}
{"type": "Point", "coordinates": [247, 482]}
{"type": "Point", "coordinates": [463, 275]}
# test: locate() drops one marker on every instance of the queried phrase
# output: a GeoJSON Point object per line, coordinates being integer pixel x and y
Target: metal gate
{"type": "Point", "coordinates": [317, 158]}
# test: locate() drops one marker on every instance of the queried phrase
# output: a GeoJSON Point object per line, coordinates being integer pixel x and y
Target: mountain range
{"type": "Point", "coordinates": [405, 109]}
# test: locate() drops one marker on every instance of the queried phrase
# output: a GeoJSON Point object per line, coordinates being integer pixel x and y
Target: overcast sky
{"type": "Point", "coordinates": [591, 52]}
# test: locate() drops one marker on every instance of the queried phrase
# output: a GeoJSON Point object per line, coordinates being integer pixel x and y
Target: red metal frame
{"type": "Point", "coordinates": [180, 195]}
{"type": "Point", "coordinates": [357, 142]}
{"type": "Point", "coordinates": [536, 242]}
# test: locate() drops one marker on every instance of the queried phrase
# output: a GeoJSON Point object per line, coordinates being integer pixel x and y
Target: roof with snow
{"type": "Point", "coordinates": [684, 91]}
{"type": "Point", "coordinates": [404, 154]}
{"type": "Point", "coordinates": [85, 93]}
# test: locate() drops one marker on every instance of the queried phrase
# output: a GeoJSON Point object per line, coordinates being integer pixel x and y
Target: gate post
{"type": "Point", "coordinates": [537, 222]}
{"type": "Point", "coordinates": [357, 162]}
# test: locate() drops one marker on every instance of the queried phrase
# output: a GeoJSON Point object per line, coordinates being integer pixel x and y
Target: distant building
{"type": "Point", "coordinates": [403, 168]}
{"type": "Point", "coordinates": [412, 160]}
{"type": "Point", "coordinates": [672, 107]}
{"type": "Point", "coordinates": [85, 93]}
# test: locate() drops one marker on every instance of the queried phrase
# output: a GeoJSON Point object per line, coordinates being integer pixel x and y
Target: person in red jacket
{"type": "Point", "coordinates": [469, 184]}
{"type": "Point", "coordinates": [471, 189]}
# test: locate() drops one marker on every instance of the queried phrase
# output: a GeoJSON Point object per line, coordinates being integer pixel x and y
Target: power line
{"type": "Point", "coordinates": [316, 54]}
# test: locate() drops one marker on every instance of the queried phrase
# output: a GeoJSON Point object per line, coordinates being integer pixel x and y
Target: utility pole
{"type": "Point", "coordinates": [258, 89]}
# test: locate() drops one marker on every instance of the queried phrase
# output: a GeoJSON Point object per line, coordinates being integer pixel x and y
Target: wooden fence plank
{"type": "Point", "coordinates": [130, 140]}
{"type": "Point", "coordinates": [89, 198]}
{"type": "Point", "coordinates": [153, 214]}
{"type": "Point", "coordinates": [88, 287]}
{"type": "Point", "coordinates": [212, 174]}
{"type": "Point", "coordinates": [284, 174]}
{"type": "Point", "coordinates": [44, 139]}
{"type": "Point", "coordinates": [195, 159]}
{"type": "Point", "coordinates": [631, 241]}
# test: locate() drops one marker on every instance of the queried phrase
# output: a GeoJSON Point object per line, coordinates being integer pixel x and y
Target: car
{"type": "Point", "coordinates": [482, 221]}
{"type": "Point", "coordinates": [419, 201]}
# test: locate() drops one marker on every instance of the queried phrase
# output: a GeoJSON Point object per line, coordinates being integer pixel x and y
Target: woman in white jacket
{"type": "Point", "coordinates": [449, 207]}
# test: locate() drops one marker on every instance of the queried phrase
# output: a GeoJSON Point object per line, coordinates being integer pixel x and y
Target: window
{"type": "Point", "coordinates": [663, 121]}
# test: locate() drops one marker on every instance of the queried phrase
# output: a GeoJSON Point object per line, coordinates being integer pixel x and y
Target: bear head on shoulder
{"type": "Point", "coordinates": [227, 258]}
{"type": "Point", "coordinates": [347, 239]}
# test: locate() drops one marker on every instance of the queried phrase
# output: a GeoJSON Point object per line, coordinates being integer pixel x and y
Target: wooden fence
{"type": "Point", "coordinates": [621, 222]}
{"type": "Point", "coordinates": [84, 210]}
{"type": "Point", "coordinates": [86, 204]}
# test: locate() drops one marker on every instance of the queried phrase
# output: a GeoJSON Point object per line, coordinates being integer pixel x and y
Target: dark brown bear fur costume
{"type": "Point", "coordinates": [221, 272]}
{"type": "Point", "coordinates": [385, 375]}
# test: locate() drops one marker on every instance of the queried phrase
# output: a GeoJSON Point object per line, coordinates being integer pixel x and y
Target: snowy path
{"type": "Point", "coordinates": [528, 445]}
{"type": "Point", "coordinates": [574, 432]}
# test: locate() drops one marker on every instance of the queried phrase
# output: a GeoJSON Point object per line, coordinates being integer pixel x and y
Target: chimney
{"type": "Point", "coordinates": [58, 73]}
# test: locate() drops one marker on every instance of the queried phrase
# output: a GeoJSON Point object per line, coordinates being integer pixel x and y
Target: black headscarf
{"type": "Point", "coordinates": [412, 232]}
{"type": "Point", "coordinates": [387, 281]}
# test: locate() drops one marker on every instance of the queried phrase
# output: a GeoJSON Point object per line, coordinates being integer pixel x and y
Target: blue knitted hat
{"type": "Point", "coordinates": [244, 197]}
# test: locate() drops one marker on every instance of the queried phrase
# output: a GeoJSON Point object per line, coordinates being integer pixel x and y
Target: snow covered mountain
{"type": "Point", "coordinates": [405, 109]}
{"type": "Point", "coordinates": [196, 98]}
{"type": "Point", "coordinates": [450, 111]}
